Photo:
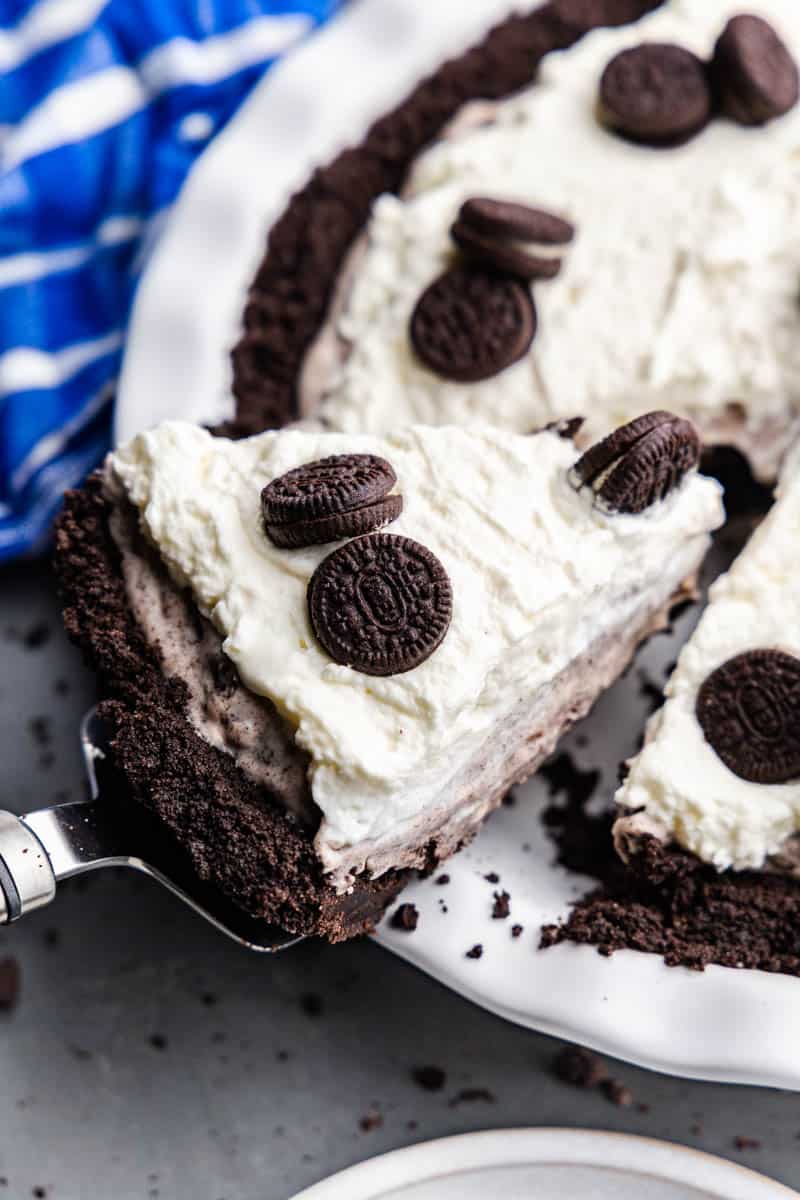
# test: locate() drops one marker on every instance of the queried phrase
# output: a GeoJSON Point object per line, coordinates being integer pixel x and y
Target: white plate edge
{"type": "Point", "coordinates": [573, 1147]}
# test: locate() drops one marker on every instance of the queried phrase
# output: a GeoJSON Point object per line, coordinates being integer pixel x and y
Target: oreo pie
{"type": "Point", "coordinates": [676, 286]}
{"type": "Point", "coordinates": [316, 715]}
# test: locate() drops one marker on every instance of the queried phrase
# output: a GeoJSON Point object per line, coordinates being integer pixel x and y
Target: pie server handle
{"type": "Point", "coordinates": [27, 878]}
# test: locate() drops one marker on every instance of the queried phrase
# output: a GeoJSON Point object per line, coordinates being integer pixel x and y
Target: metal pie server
{"type": "Point", "coordinates": [40, 848]}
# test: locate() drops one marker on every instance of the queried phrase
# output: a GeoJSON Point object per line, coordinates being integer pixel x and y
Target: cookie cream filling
{"type": "Point", "coordinates": [538, 577]}
{"type": "Point", "coordinates": [678, 787]}
{"type": "Point", "coordinates": [679, 291]}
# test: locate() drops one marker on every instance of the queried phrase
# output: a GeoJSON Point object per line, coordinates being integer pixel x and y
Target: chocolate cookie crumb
{"type": "Point", "coordinates": [37, 635]}
{"type": "Point", "coordinates": [566, 427]}
{"type": "Point", "coordinates": [431, 1079]}
{"type": "Point", "coordinates": [502, 906]}
{"type": "Point", "coordinates": [370, 1121]}
{"type": "Point", "coordinates": [516, 931]}
{"type": "Point", "coordinates": [311, 1004]}
{"type": "Point", "coordinates": [158, 1041]}
{"type": "Point", "coordinates": [9, 984]}
{"type": "Point", "coordinates": [617, 1093]}
{"type": "Point", "coordinates": [475, 952]}
{"type": "Point", "coordinates": [469, 1095]}
{"type": "Point", "coordinates": [41, 728]}
{"type": "Point", "coordinates": [442, 880]}
{"type": "Point", "coordinates": [492, 877]}
{"type": "Point", "coordinates": [744, 1142]}
{"type": "Point", "coordinates": [579, 1067]}
{"type": "Point", "coordinates": [405, 917]}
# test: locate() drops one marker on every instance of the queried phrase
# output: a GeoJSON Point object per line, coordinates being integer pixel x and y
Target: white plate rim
{"type": "Point", "coordinates": [427, 1161]}
{"type": "Point", "coordinates": [176, 363]}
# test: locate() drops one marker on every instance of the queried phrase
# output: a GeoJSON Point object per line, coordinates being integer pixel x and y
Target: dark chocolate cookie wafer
{"type": "Point", "coordinates": [510, 256]}
{"type": "Point", "coordinates": [380, 604]}
{"type": "Point", "coordinates": [329, 485]}
{"type": "Point", "coordinates": [342, 496]}
{"type": "Point", "coordinates": [754, 75]}
{"type": "Point", "coordinates": [657, 94]}
{"type": "Point", "coordinates": [354, 523]}
{"type": "Point", "coordinates": [567, 427]}
{"type": "Point", "coordinates": [639, 463]}
{"type": "Point", "coordinates": [471, 324]}
{"type": "Point", "coordinates": [508, 220]}
{"type": "Point", "coordinates": [602, 454]}
{"type": "Point", "coordinates": [749, 711]}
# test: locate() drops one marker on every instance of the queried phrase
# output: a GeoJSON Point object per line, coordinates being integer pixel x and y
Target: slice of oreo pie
{"type": "Point", "coordinates": [314, 722]}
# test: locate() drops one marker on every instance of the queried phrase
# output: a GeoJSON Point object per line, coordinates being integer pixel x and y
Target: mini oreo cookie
{"type": "Point", "coordinates": [657, 94]}
{"type": "Point", "coordinates": [602, 454]}
{"type": "Point", "coordinates": [354, 523]}
{"type": "Point", "coordinates": [502, 234]}
{"type": "Point", "coordinates": [326, 486]}
{"type": "Point", "coordinates": [502, 255]}
{"type": "Point", "coordinates": [639, 463]}
{"type": "Point", "coordinates": [749, 712]}
{"type": "Point", "coordinates": [380, 604]}
{"type": "Point", "coordinates": [567, 428]}
{"type": "Point", "coordinates": [472, 323]}
{"type": "Point", "coordinates": [340, 496]}
{"type": "Point", "coordinates": [754, 75]}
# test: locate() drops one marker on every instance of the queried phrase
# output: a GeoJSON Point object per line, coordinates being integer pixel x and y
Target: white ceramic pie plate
{"type": "Point", "coordinates": [548, 1164]}
{"type": "Point", "coordinates": [722, 1024]}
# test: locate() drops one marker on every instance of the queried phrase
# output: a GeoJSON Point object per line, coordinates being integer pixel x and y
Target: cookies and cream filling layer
{"type": "Point", "coordinates": [678, 292]}
{"type": "Point", "coordinates": [678, 788]}
{"type": "Point", "coordinates": [538, 576]}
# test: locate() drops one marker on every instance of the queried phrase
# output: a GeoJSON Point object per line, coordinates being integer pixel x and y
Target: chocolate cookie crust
{"type": "Point", "coordinates": [236, 834]}
{"type": "Point", "coordinates": [288, 299]}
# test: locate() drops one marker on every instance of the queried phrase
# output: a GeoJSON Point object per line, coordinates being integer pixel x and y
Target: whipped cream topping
{"type": "Point", "coordinates": [685, 791]}
{"type": "Point", "coordinates": [537, 575]}
{"type": "Point", "coordinates": [679, 291]}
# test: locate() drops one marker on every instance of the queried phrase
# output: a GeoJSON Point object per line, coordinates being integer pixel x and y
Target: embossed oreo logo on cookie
{"type": "Point", "coordinates": [749, 712]}
{"type": "Point", "coordinates": [753, 73]}
{"type": "Point", "coordinates": [381, 604]}
{"type": "Point", "coordinates": [639, 463]}
{"type": "Point", "coordinates": [471, 323]}
{"type": "Point", "coordinates": [341, 496]}
{"type": "Point", "coordinates": [657, 94]}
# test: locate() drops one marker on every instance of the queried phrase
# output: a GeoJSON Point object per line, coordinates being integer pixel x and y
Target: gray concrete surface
{"type": "Point", "coordinates": [148, 1057]}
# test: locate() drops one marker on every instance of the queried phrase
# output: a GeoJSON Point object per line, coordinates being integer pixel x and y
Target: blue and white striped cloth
{"type": "Point", "coordinates": [104, 105]}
